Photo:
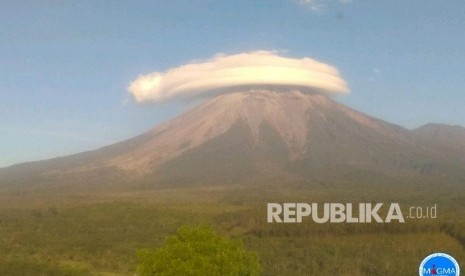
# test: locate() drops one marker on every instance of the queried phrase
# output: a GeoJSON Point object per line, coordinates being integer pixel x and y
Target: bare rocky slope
{"type": "Point", "coordinates": [256, 136]}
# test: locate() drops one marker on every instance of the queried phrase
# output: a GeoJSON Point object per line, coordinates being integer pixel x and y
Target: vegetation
{"type": "Point", "coordinates": [100, 233]}
{"type": "Point", "coordinates": [198, 251]}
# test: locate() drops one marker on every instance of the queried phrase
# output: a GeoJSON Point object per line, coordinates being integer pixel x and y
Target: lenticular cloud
{"type": "Point", "coordinates": [239, 72]}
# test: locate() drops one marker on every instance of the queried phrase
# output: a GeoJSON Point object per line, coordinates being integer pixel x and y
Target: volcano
{"type": "Point", "coordinates": [254, 136]}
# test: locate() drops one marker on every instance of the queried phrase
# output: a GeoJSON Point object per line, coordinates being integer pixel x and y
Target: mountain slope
{"type": "Point", "coordinates": [254, 136]}
{"type": "Point", "coordinates": [449, 136]}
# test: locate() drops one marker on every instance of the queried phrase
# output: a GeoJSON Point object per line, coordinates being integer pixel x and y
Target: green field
{"type": "Point", "coordinates": [45, 233]}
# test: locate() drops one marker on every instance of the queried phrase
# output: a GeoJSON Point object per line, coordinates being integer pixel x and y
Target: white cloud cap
{"type": "Point", "coordinates": [240, 72]}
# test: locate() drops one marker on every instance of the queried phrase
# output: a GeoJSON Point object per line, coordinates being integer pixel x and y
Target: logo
{"type": "Point", "coordinates": [333, 213]}
{"type": "Point", "coordinates": [439, 264]}
{"type": "Point", "coordinates": [346, 212]}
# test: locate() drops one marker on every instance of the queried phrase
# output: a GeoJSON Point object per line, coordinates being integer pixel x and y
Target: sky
{"type": "Point", "coordinates": [65, 66]}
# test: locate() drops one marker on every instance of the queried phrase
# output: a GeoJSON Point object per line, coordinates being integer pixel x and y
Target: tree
{"type": "Point", "coordinates": [198, 251]}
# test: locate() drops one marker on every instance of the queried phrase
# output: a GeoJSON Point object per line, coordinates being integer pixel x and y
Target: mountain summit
{"type": "Point", "coordinates": [253, 136]}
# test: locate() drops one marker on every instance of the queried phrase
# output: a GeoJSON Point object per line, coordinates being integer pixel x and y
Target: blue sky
{"type": "Point", "coordinates": [65, 65]}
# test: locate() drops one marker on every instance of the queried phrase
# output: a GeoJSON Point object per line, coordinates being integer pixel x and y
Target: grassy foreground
{"type": "Point", "coordinates": [98, 234]}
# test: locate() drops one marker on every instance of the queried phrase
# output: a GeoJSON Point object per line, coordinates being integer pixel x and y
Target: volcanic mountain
{"type": "Point", "coordinates": [259, 136]}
